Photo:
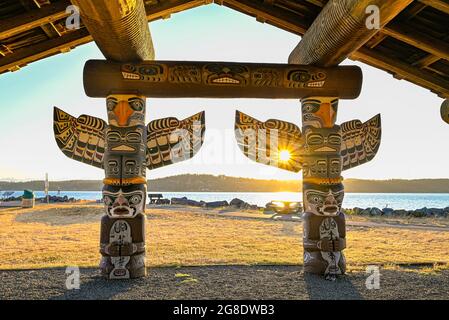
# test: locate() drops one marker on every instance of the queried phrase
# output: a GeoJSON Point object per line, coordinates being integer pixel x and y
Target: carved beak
{"type": "Point", "coordinates": [327, 114]}
{"type": "Point", "coordinates": [123, 111]}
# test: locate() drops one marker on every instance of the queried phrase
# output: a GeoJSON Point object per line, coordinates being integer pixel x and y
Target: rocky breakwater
{"type": "Point", "coordinates": [235, 203]}
{"type": "Point", "coordinates": [51, 199]}
{"type": "Point", "coordinates": [389, 212]}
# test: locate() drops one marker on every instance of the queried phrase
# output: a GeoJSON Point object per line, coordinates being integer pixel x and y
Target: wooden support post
{"type": "Point", "coordinates": [323, 191]}
{"type": "Point", "coordinates": [125, 187]}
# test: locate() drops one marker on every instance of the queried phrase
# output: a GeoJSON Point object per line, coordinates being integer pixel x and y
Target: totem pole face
{"type": "Point", "coordinates": [226, 74]}
{"type": "Point", "coordinates": [322, 156]}
{"type": "Point", "coordinates": [124, 202]}
{"type": "Point", "coordinates": [323, 200]}
{"type": "Point", "coordinates": [125, 110]}
{"type": "Point", "coordinates": [126, 135]}
{"type": "Point", "coordinates": [319, 113]}
{"type": "Point", "coordinates": [322, 140]}
{"type": "Point", "coordinates": [125, 162]}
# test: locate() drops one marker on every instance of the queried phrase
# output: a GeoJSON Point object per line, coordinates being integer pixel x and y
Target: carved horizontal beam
{"type": "Point", "coordinates": [33, 19]}
{"type": "Point", "coordinates": [172, 79]}
{"type": "Point", "coordinates": [340, 29]}
{"type": "Point", "coordinates": [403, 70]}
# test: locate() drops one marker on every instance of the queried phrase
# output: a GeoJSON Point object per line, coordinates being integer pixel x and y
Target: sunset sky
{"type": "Point", "coordinates": [414, 142]}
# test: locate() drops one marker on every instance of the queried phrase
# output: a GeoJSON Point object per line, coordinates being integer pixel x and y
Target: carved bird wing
{"type": "Point", "coordinates": [360, 141]}
{"type": "Point", "coordinates": [170, 140]}
{"type": "Point", "coordinates": [274, 142]}
{"type": "Point", "coordinates": [82, 138]}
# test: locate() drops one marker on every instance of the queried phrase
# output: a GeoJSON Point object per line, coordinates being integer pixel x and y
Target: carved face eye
{"type": "Point", "coordinates": [136, 104]}
{"type": "Point", "coordinates": [309, 108]}
{"type": "Point", "coordinates": [133, 137]}
{"type": "Point", "coordinates": [301, 76]}
{"type": "Point", "coordinates": [315, 199]}
{"type": "Point", "coordinates": [114, 137]}
{"type": "Point", "coordinates": [315, 139]}
{"type": "Point", "coordinates": [110, 104]}
{"type": "Point", "coordinates": [136, 199]}
{"type": "Point", "coordinates": [334, 139]}
{"type": "Point", "coordinates": [107, 200]}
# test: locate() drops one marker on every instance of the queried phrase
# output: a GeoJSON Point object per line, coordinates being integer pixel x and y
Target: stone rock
{"type": "Point", "coordinates": [187, 202]}
{"type": "Point", "coordinates": [366, 212]}
{"type": "Point", "coordinates": [376, 212]}
{"type": "Point", "coordinates": [387, 211]}
{"type": "Point", "coordinates": [217, 204]}
{"type": "Point", "coordinates": [237, 203]}
{"type": "Point", "coordinates": [419, 213]}
{"type": "Point", "coordinates": [400, 212]}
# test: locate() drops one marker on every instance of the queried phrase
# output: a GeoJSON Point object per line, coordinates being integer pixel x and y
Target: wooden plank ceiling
{"type": "Point", "coordinates": [414, 46]}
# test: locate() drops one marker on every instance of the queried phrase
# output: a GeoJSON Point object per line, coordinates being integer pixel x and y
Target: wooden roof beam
{"type": "Point", "coordinates": [13, 61]}
{"type": "Point", "coordinates": [119, 28]}
{"type": "Point", "coordinates": [266, 12]}
{"type": "Point", "coordinates": [408, 34]}
{"type": "Point", "coordinates": [168, 7]}
{"type": "Point", "coordinates": [22, 57]}
{"type": "Point", "coordinates": [33, 19]}
{"type": "Point", "coordinates": [440, 5]}
{"type": "Point", "coordinates": [426, 61]}
{"type": "Point", "coordinates": [326, 42]}
{"type": "Point", "coordinates": [403, 70]}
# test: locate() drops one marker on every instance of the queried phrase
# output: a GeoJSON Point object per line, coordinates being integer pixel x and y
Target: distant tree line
{"type": "Point", "coordinates": [210, 183]}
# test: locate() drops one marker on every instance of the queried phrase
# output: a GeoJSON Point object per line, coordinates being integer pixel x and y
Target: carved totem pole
{"type": "Point", "coordinates": [322, 150]}
{"type": "Point", "coordinates": [124, 148]}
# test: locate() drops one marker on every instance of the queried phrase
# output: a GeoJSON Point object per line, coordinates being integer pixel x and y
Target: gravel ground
{"type": "Point", "coordinates": [224, 282]}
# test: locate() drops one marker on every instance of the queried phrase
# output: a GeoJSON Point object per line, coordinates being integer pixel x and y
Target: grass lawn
{"type": "Point", "coordinates": [68, 235]}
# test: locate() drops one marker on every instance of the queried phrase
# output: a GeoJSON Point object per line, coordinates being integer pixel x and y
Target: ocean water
{"type": "Point", "coordinates": [407, 201]}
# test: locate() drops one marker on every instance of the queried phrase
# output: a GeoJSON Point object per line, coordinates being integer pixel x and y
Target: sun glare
{"type": "Point", "coordinates": [284, 155]}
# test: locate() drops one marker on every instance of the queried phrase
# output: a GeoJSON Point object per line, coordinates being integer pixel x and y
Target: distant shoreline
{"type": "Point", "coordinates": [210, 183]}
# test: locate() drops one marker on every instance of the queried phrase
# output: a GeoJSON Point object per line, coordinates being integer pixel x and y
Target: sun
{"type": "Point", "coordinates": [284, 155]}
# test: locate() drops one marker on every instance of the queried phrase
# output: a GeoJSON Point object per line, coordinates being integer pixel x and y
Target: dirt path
{"type": "Point", "coordinates": [224, 282]}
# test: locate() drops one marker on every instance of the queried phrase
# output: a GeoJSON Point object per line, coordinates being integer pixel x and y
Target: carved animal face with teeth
{"type": "Point", "coordinates": [226, 74]}
{"type": "Point", "coordinates": [124, 202]}
{"type": "Point", "coordinates": [323, 200]}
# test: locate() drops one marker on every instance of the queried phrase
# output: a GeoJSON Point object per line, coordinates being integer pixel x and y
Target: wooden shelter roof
{"type": "Point", "coordinates": [414, 46]}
